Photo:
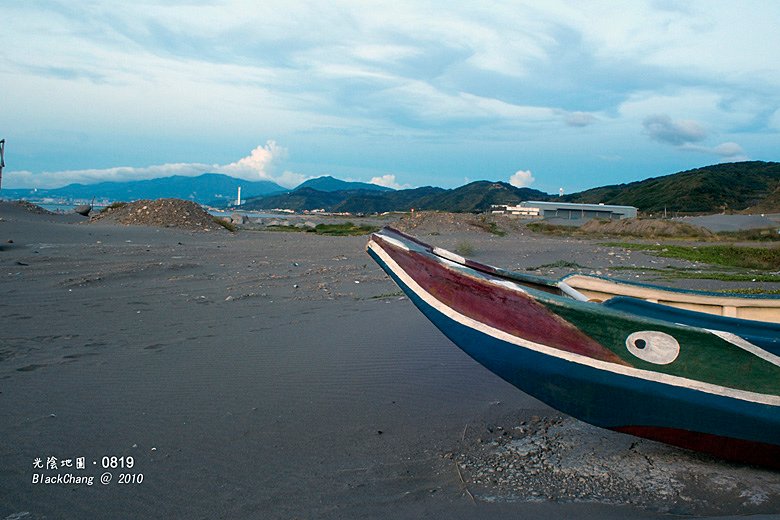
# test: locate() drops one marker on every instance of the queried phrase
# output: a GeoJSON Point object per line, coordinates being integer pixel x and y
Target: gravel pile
{"type": "Point", "coordinates": [648, 228]}
{"type": "Point", "coordinates": [160, 213]}
{"type": "Point", "coordinates": [432, 222]}
{"type": "Point", "coordinates": [32, 208]}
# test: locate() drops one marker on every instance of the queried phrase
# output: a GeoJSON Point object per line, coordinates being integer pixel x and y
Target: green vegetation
{"type": "Point", "coordinates": [335, 230]}
{"type": "Point", "coordinates": [383, 296]}
{"type": "Point", "coordinates": [750, 235]}
{"type": "Point", "coordinates": [551, 229]}
{"type": "Point", "coordinates": [341, 230]}
{"type": "Point", "coordinates": [286, 229]}
{"type": "Point", "coordinates": [671, 272]}
{"type": "Point", "coordinates": [749, 291]}
{"type": "Point", "coordinates": [487, 225]}
{"type": "Point", "coordinates": [465, 248]}
{"type": "Point", "coordinates": [560, 264]}
{"type": "Point", "coordinates": [712, 189]}
{"type": "Point", "coordinates": [654, 228]}
{"type": "Point", "coordinates": [763, 258]}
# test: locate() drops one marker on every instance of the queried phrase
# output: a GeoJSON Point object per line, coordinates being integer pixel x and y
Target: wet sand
{"type": "Point", "coordinates": [268, 375]}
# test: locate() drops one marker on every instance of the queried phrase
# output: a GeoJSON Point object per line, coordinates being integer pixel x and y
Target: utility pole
{"type": "Point", "coordinates": [2, 160]}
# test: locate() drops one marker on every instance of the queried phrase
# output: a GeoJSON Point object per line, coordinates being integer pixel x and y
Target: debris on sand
{"type": "Point", "coordinates": [176, 213]}
{"type": "Point", "coordinates": [561, 459]}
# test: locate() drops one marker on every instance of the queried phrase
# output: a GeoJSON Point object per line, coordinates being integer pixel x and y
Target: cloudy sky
{"type": "Point", "coordinates": [545, 94]}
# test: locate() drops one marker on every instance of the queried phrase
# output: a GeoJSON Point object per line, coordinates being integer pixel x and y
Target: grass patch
{"type": "Point", "coordinates": [465, 248]}
{"type": "Point", "coordinates": [342, 230]}
{"type": "Point", "coordinates": [749, 291]}
{"type": "Point", "coordinates": [551, 229]}
{"type": "Point", "coordinates": [286, 229]}
{"type": "Point", "coordinates": [384, 296]}
{"type": "Point", "coordinates": [560, 264]}
{"type": "Point", "coordinates": [750, 235]}
{"type": "Point", "coordinates": [671, 273]}
{"type": "Point", "coordinates": [489, 226]}
{"type": "Point", "coordinates": [762, 258]}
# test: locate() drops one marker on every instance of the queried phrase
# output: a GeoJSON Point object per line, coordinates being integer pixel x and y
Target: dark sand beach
{"type": "Point", "coordinates": [267, 374]}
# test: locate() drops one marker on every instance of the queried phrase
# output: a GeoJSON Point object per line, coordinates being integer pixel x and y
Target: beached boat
{"type": "Point", "coordinates": [83, 209]}
{"type": "Point", "coordinates": [700, 381]}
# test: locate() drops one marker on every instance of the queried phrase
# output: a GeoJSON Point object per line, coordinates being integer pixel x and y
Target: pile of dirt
{"type": "Point", "coordinates": [434, 222]}
{"type": "Point", "coordinates": [32, 208]}
{"type": "Point", "coordinates": [176, 213]}
{"type": "Point", "coordinates": [645, 228]}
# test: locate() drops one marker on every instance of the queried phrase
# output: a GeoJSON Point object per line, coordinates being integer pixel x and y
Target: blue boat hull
{"type": "Point", "coordinates": [723, 426]}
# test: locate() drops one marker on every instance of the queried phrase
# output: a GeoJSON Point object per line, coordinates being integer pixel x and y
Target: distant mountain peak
{"type": "Point", "coordinates": [329, 184]}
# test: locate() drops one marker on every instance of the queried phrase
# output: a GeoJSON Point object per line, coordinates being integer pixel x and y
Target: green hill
{"type": "Point", "coordinates": [712, 189]}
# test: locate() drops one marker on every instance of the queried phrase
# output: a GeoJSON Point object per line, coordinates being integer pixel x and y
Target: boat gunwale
{"type": "Point", "coordinates": [554, 288]}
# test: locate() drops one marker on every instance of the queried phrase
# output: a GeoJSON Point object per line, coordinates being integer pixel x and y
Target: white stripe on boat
{"type": "Point", "coordinates": [748, 346]}
{"type": "Point", "coordinates": [449, 255]}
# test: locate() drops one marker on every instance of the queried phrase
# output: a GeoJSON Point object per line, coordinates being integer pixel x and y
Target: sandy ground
{"type": "Point", "coordinates": [282, 375]}
{"type": "Point", "coordinates": [719, 223]}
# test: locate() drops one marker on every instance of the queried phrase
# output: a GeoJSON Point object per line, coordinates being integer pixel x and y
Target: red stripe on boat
{"type": "Point", "coordinates": [758, 453]}
{"type": "Point", "coordinates": [513, 312]}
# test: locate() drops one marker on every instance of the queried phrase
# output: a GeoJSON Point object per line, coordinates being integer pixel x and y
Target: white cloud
{"type": "Point", "coordinates": [661, 128]}
{"type": "Point", "coordinates": [521, 179]}
{"type": "Point", "coordinates": [686, 135]}
{"type": "Point", "coordinates": [290, 179]}
{"type": "Point", "coordinates": [730, 151]}
{"type": "Point", "coordinates": [388, 181]}
{"type": "Point", "coordinates": [579, 119]}
{"type": "Point", "coordinates": [27, 179]}
{"type": "Point", "coordinates": [774, 120]}
{"type": "Point", "coordinates": [257, 166]}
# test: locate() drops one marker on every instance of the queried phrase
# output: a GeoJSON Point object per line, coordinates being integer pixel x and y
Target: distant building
{"type": "Point", "coordinates": [567, 210]}
{"type": "Point", "coordinates": [519, 210]}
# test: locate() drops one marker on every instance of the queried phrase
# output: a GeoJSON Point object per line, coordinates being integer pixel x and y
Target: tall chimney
{"type": "Point", "coordinates": [2, 160]}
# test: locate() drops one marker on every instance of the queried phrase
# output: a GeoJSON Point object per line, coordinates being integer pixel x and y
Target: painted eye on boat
{"type": "Point", "coordinates": [653, 346]}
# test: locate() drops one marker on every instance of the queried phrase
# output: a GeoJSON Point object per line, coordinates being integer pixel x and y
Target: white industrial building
{"type": "Point", "coordinates": [567, 210]}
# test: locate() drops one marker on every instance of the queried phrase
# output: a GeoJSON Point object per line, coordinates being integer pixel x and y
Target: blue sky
{"type": "Point", "coordinates": [545, 94]}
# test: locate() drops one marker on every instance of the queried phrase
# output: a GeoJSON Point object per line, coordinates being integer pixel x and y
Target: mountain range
{"type": "Point", "coordinates": [750, 186]}
{"type": "Point", "coordinates": [474, 197]}
{"type": "Point", "coordinates": [203, 189]}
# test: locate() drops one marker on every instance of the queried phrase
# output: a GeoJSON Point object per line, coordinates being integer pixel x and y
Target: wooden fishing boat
{"type": "Point", "coordinates": [699, 381]}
